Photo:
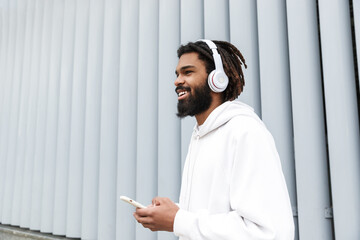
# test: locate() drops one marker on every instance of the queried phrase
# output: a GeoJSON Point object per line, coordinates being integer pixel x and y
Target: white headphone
{"type": "Point", "coordinates": [217, 79]}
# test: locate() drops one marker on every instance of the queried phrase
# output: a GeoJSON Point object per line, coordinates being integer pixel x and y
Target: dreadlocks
{"type": "Point", "coordinates": [232, 60]}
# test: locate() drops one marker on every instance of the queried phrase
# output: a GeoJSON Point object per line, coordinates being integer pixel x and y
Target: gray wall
{"type": "Point", "coordinates": [87, 107]}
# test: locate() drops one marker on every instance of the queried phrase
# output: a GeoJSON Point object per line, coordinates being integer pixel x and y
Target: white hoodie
{"type": "Point", "coordinates": [232, 185]}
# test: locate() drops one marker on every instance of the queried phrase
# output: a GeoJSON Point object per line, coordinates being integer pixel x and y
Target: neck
{"type": "Point", "coordinates": [216, 101]}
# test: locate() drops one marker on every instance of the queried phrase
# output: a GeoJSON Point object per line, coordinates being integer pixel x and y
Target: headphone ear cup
{"type": "Point", "coordinates": [218, 81]}
{"type": "Point", "coordinates": [210, 81]}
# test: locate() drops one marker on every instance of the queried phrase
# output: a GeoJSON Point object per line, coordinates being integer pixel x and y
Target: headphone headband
{"type": "Point", "coordinates": [216, 55]}
{"type": "Point", "coordinates": [217, 79]}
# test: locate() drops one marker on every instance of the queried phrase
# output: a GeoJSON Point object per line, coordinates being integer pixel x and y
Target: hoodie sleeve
{"type": "Point", "coordinates": [259, 201]}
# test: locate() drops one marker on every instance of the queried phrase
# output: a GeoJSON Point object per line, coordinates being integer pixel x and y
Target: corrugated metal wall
{"type": "Point", "coordinates": [87, 107]}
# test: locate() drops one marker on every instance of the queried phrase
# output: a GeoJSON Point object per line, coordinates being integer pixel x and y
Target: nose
{"type": "Point", "coordinates": [179, 81]}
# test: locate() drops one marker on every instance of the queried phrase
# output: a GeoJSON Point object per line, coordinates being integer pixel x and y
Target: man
{"type": "Point", "coordinates": [232, 184]}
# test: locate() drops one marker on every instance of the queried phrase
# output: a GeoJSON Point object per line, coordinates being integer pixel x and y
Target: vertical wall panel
{"type": "Point", "coordinates": [76, 151]}
{"type": "Point", "coordinates": [127, 130]}
{"type": "Point", "coordinates": [216, 27]}
{"type": "Point", "coordinates": [6, 133]}
{"type": "Point", "coordinates": [41, 115]}
{"type": "Point", "coordinates": [14, 117]}
{"type": "Point", "coordinates": [1, 25]}
{"type": "Point", "coordinates": [46, 203]}
{"type": "Point", "coordinates": [109, 121]}
{"type": "Point", "coordinates": [169, 162]}
{"type": "Point", "coordinates": [23, 118]}
{"type": "Point", "coordinates": [63, 136]}
{"type": "Point", "coordinates": [31, 133]}
{"type": "Point", "coordinates": [275, 84]}
{"type": "Point", "coordinates": [356, 12]}
{"type": "Point", "coordinates": [3, 38]}
{"type": "Point", "coordinates": [3, 55]}
{"type": "Point", "coordinates": [191, 29]}
{"type": "Point", "coordinates": [147, 125]}
{"type": "Point", "coordinates": [1, 33]}
{"type": "Point", "coordinates": [309, 124]}
{"type": "Point", "coordinates": [4, 83]}
{"type": "Point", "coordinates": [92, 121]}
{"type": "Point", "coordinates": [341, 115]}
{"type": "Point", "coordinates": [3, 47]}
{"type": "Point", "coordinates": [244, 35]}
{"type": "Point", "coordinates": [4, 24]}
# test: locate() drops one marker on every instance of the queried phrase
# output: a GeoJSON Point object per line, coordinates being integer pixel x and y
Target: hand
{"type": "Point", "coordinates": [159, 216]}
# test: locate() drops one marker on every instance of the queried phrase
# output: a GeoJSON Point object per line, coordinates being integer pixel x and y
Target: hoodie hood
{"type": "Point", "coordinates": [224, 113]}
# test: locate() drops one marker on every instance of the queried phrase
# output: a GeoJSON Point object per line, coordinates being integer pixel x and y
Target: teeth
{"type": "Point", "coordinates": [182, 93]}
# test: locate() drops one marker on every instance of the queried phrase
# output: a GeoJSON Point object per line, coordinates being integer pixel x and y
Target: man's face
{"type": "Point", "coordinates": [191, 86]}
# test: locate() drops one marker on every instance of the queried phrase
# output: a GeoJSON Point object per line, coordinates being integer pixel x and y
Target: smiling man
{"type": "Point", "coordinates": [232, 184]}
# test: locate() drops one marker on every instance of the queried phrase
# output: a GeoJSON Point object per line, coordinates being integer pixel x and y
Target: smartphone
{"type": "Point", "coordinates": [132, 202]}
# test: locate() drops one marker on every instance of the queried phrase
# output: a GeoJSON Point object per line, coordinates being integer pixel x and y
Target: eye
{"type": "Point", "coordinates": [188, 72]}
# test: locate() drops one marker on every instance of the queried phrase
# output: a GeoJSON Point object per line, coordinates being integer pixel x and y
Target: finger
{"type": "Point", "coordinates": [153, 229]}
{"type": "Point", "coordinates": [158, 201]}
{"type": "Point", "coordinates": [155, 201]}
{"type": "Point", "coordinates": [150, 227]}
{"type": "Point", "coordinates": [143, 212]}
{"type": "Point", "coordinates": [141, 218]}
{"type": "Point", "coordinates": [147, 225]}
{"type": "Point", "coordinates": [145, 220]}
{"type": "Point", "coordinates": [136, 217]}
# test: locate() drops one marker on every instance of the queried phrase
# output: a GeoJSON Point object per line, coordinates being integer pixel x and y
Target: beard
{"type": "Point", "coordinates": [195, 103]}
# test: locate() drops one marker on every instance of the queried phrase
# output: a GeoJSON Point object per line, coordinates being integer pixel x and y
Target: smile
{"type": "Point", "coordinates": [181, 93]}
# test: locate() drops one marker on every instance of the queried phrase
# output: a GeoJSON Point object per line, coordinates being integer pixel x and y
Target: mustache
{"type": "Point", "coordinates": [182, 88]}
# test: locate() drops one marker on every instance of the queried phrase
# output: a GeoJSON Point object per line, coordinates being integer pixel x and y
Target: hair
{"type": "Point", "coordinates": [231, 58]}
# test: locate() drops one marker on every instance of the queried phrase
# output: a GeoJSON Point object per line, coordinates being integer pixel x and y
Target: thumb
{"type": "Point", "coordinates": [156, 201]}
